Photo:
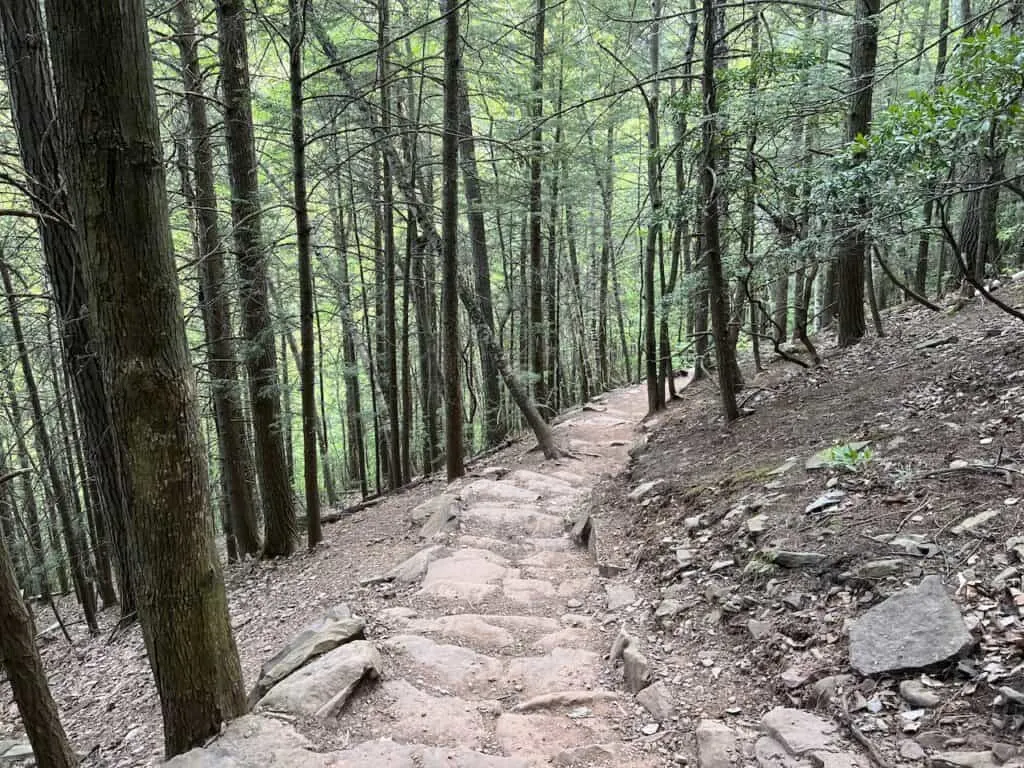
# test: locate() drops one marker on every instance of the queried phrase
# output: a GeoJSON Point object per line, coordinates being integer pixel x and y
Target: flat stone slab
{"type": "Point", "coordinates": [414, 716]}
{"type": "Point", "coordinates": [716, 744]}
{"type": "Point", "coordinates": [523, 520]}
{"type": "Point", "coordinates": [335, 627]}
{"type": "Point", "coordinates": [543, 736]}
{"type": "Point", "coordinates": [468, 574]}
{"type": "Point", "coordinates": [545, 485]}
{"type": "Point", "coordinates": [558, 670]}
{"type": "Point", "coordinates": [466, 629]}
{"type": "Point", "coordinates": [321, 688]}
{"type": "Point", "coordinates": [800, 732]}
{"type": "Point", "coordinates": [410, 570]}
{"type": "Point", "coordinates": [492, 490]}
{"type": "Point", "coordinates": [619, 596]}
{"type": "Point", "coordinates": [390, 754]}
{"type": "Point", "coordinates": [913, 628]}
{"type": "Point", "coordinates": [254, 741]}
{"type": "Point", "coordinates": [459, 670]}
{"type": "Point", "coordinates": [446, 502]}
{"type": "Point", "coordinates": [770, 754]}
{"type": "Point", "coordinates": [528, 591]}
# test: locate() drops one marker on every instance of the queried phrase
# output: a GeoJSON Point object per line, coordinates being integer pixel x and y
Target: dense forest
{"type": "Point", "coordinates": [264, 260]}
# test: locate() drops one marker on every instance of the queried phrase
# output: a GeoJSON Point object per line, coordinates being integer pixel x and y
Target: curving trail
{"type": "Point", "coordinates": [493, 654]}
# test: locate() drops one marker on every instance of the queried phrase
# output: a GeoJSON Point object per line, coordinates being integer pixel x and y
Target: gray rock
{"type": "Point", "coordinates": [444, 519]}
{"type": "Point", "coordinates": [619, 596]}
{"type": "Point", "coordinates": [794, 677]}
{"type": "Point", "coordinates": [787, 559]}
{"type": "Point", "coordinates": [759, 629]}
{"type": "Point", "coordinates": [320, 689]}
{"type": "Point", "coordinates": [582, 533]}
{"type": "Point", "coordinates": [637, 669]}
{"type": "Point", "coordinates": [911, 750]}
{"type": "Point", "coordinates": [757, 524]}
{"type": "Point", "coordinates": [666, 611]}
{"type": "Point", "coordinates": [336, 627]}
{"type": "Point", "coordinates": [975, 521]}
{"type": "Point", "coordinates": [823, 759]}
{"type": "Point", "coordinates": [410, 570]}
{"type": "Point", "coordinates": [251, 742]}
{"type": "Point", "coordinates": [1005, 752]}
{"type": "Point", "coordinates": [913, 628]}
{"type": "Point", "coordinates": [826, 688]}
{"type": "Point", "coordinates": [770, 754]}
{"type": "Point", "coordinates": [14, 752]}
{"type": "Point", "coordinates": [684, 557]}
{"type": "Point", "coordinates": [964, 760]}
{"type": "Point", "coordinates": [445, 502]}
{"type": "Point", "coordinates": [657, 700]}
{"type": "Point", "coordinates": [918, 695]}
{"type": "Point", "coordinates": [622, 641]}
{"type": "Point", "coordinates": [716, 744]}
{"type": "Point", "coordinates": [880, 569]}
{"type": "Point", "coordinates": [798, 731]}
{"type": "Point", "coordinates": [644, 489]}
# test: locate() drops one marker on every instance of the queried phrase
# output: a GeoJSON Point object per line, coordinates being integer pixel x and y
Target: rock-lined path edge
{"type": "Point", "coordinates": [495, 652]}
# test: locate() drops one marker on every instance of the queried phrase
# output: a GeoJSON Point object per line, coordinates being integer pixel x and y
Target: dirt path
{"type": "Point", "coordinates": [493, 652]}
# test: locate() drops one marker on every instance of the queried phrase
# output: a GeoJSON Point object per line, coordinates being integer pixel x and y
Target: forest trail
{"type": "Point", "coordinates": [494, 651]}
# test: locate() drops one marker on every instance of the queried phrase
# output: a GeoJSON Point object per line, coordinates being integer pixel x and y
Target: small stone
{"type": "Point", "coordinates": [666, 611]}
{"type": "Point", "coordinates": [684, 557]}
{"type": "Point", "coordinates": [794, 677]}
{"type": "Point", "coordinates": [918, 695]}
{"type": "Point", "coordinates": [637, 669]}
{"type": "Point", "coordinates": [574, 603]}
{"type": "Point", "coordinates": [721, 565]}
{"type": "Point", "coordinates": [798, 731]}
{"type": "Point", "coordinates": [1004, 752]}
{"type": "Point", "coordinates": [975, 521]}
{"type": "Point", "coordinates": [759, 629]}
{"type": "Point", "coordinates": [619, 596]}
{"type": "Point", "coordinates": [880, 569]}
{"type": "Point", "coordinates": [657, 700]}
{"type": "Point", "coordinates": [757, 525]}
{"type": "Point", "coordinates": [826, 688]}
{"type": "Point", "coordinates": [911, 750]}
{"type": "Point", "coordinates": [787, 559]}
{"type": "Point", "coordinates": [650, 729]}
{"type": "Point", "coordinates": [608, 570]}
{"type": "Point", "coordinates": [693, 523]}
{"type": "Point", "coordinates": [644, 489]}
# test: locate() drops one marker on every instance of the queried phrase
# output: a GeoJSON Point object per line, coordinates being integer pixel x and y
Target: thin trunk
{"type": "Point", "coordinates": [229, 415]}
{"type": "Point", "coordinates": [655, 387]}
{"type": "Point", "coordinates": [73, 541]}
{"type": "Point", "coordinates": [261, 354]}
{"type": "Point", "coordinates": [449, 240]}
{"type": "Point", "coordinates": [538, 335]}
{"type": "Point", "coordinates": [307, 370]}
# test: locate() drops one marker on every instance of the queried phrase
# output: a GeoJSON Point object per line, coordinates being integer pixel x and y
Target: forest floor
{"type": "Point", "coordinates": [735, 602]}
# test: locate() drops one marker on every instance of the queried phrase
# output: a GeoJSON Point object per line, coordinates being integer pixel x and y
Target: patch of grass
{"type": "Point", "coordinates": [852, 458]}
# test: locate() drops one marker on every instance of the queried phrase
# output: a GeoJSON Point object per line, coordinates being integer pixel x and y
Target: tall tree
{"type": "Point", "coordinates": [102, 67]}
{"type": "Point", "coordinates": [261, 352]}
{"type": "Point", "coordinates": [229, 416]}
{"type": "Point", "coordinates": [718, 290]}
{"type": "Point", "coordinates": [537, 335]}
{"type": "Point", "coordinates": [655, 383]}
{"type": "Point", "coordinates": [30, 83]}
{"type": "Point", "coordinates": [852, 246]}
{"type": "Point", "coordinates": [449, 245]}
{"type": "Point", "coordinates": [307, 367]}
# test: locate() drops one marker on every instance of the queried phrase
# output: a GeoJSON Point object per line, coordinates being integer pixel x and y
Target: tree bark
{"type": "Point", "coordinates": [853, 242]}
{"type": "Point", "coordinates": [30, 82]}
{"type": "Point", "coordinates": [261, 357]}
{"type": "Point", "coordinates": [115, 172]}
{"type": "Point", "coordinates": [307, 369]}
{"type": "Point", "coordinates": [229, 416]}
{"type": "Point", "coordinates": [20, 658]}
{"type": "Point", "coordinates": [449, 245]}
{"type": "Point", "coordinates": [655, 387]}
{"type": "Point", "coordinates": [538, 334]}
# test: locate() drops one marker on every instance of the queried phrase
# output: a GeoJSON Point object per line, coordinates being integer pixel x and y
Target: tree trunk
{"type": "Point", "coordinates": [115, 172]}
{"type": "Point", "coordinates": [853, 241]}
{"type": "Point", "coordinates": [307, 369]}
{"type": "Point", "coordinates": [20, 658]}
{"type": "Point", "coordinates": [725, 351]}
{"type": "Point", "coordinates": [229, 416]}
{"type": "Point", "coordinates": [538, 335]}
{"type": "Point", "coordinates": [655, 387]}
{"type": "Point", "coordinates": [73, 542]}
{"type": "Point", "coordinates": [449, 245]}
{"type": "Point", "coordinates": [30, 83]}
{"type": "Point", "coordinates": [261, 357]}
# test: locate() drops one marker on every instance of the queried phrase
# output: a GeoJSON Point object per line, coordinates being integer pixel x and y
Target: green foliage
{"type": "Point", "coordinates": [849, 457]}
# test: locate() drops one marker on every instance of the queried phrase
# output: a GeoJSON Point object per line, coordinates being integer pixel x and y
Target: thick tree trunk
{"type": "Point", "coordinates": [30, 84]}
{"type": "Point", "coordinates": [115, 172]}
{"type": "Point", "coordinates": [655, 386]}
{"type": "Point", "coordinates": [229, 416]}
{"type": "Point", "coordinates": [261, 357]}
{"type": "Point", "coordinates": [20, 657]}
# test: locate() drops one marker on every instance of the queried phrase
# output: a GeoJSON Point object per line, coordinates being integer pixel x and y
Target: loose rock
{"type": "Point", "coordinates": [619, 596]}
{"type": "Point", "coordinates": [637, 669]}
{"type": "Point", "coordinates": [716, 744]}
{"type": "Point", "coordinates": [657, 700]}
{"type": "Point", "coordinates": [798, 731]}
{"type": "Point", "coordinates": [913, 628]}
{"type": "Point", "coordinates": [917, 695]}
